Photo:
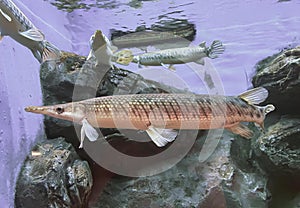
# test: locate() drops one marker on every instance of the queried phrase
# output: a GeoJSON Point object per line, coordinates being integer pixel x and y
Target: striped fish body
{"type": "Point", "coordinates": [15, 24]}
{"type": "Point", "coordinates": [19, 23]}
{"type": "Point", "coordinates": [160, 114]}
{"type": "Point", "coordinates": [171, 56]}
{"type": "Point", "coordinates": [169, 111]}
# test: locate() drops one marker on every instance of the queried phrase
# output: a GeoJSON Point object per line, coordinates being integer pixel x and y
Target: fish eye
{"type": "Point", "coordinates": [59, 110]}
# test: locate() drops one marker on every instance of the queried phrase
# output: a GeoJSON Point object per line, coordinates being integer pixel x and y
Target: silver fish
{"type": "Point", "coordinates": [172, 56]}
{"type": "Point", "coordinates": [15, 24]}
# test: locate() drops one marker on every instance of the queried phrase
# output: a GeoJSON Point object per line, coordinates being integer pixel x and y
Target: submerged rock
{"type": "Point", "coordinates": [280, 75]}
{"type": "Point", "coordinates": [53, 176]}
{"type": "Point", "coordinates": [278, 154]}
{"type": "Point", "coordinates": [278, 150]}
{"type": "Point", "coordinates": [217, 182]}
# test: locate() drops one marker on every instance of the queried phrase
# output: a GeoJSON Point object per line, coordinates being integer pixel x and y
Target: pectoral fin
{"type": "Point", "coordinates": [200, 61]}
{"type": "Point", "coordinates": [88, 131]}
{"type": "Point", "coordinates": [161, 136]}
{"type": "Point", "coordinates": [242, 130]}
{"type": "Point", "coordinates": [6, 16]}
{"type": "Point", "coordinates": [33, 34]}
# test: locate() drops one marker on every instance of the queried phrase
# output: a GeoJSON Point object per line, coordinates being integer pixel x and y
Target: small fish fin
{"type": "Point", "coordinates": [1, 37]}
{"type": "Point", "coordinates": [33, 34]}
{"type": "Point", "coordinates": [6, 16]}
{"type": "Point", "coordinates": [88, 131]}
{"type": "Point", "coordinates": [82, 136]}
{"type": "Point", "coordinates": [200, 61]}
{"type": "Point", "coordinates": [202, 44]}
{"type": "Point", "coordinates": [123, 57]}
{"type": "Point", "coordinates": [164, 65]}
{"type": "Point", "coordinates": [161, 136]}
{"type": "Point", "coordinates": [171, 67]}
{"type": "Point", "coordinates": [113, 48]}
{"type": "Point", "coordinates": [215, 49]}
{"type": "Point", "coordinates": [242, 130]}
{"type": "Point", "coordinates": [255, 95]}
{"type": "Point", "coordinates": [265, 109]}
{"type": "Point", "coordinates": [50, 52]}
{"type": "Point", "coordinates": [168, 134]}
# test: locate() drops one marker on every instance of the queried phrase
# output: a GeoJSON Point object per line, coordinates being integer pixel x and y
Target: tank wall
{"type": "Point", "coordinates": [20, 87]}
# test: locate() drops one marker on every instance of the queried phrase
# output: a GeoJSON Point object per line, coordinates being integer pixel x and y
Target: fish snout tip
{"type": "Point", "coordinates": [28, 108]}
{"type": "Point", "coordinates": [33, 109]}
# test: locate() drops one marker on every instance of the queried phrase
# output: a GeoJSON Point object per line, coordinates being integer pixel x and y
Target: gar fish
{"type": "Point", "coordinates": [171, 56]}
{"type": "Point", "coordinates": [15, 24]}
{"type": "Point", "coordinates": [160, 114]}
{"type": "Point", "coordinates": [101, 49]}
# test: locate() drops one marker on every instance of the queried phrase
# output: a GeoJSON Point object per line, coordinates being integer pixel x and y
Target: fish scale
{"type": "Point", "coordinates": [160, 114]}
{"type": "Point", "coordinates": [174, 109]}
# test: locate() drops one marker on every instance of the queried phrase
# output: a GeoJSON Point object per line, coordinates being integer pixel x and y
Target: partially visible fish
{"type": "Point", "coordinates": [15, 24]}
{"type": "Point", "coordinates": [150, 37]}
{"type": "Point", "coordinates": [101, 49]}
{"type": "Point", "coordinates": [160, 114]}
{"type": "Point", "coordinates": [172, 56]}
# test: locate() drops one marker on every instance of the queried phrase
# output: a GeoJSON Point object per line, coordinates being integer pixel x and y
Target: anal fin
{"type": "Point", "coordinates": [200, 61]}
{"type": "Point", "coordinates": [242, 130]}
{"type": "Point", "coordinates": [161, 136]}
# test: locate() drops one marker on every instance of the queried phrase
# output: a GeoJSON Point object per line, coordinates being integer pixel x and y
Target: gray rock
{"type": "Point", "coordinates": [280, 75]}
{"type": "Point", "coordinates": [278, 150]}
{"type": "Point", "coordinates": [217, 182]}
{"type": "Point", "coordinates": [53, 176]}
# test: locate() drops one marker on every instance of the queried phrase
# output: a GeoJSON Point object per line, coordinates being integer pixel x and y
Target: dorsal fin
{"type": "Point", "coordinates": [255, 95]}
{"type": "Point", "coordinates": [202, 44]}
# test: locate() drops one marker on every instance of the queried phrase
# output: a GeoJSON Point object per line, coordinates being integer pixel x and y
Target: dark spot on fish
{"type": "Point", "coordinates": [257, 114]}
{"type": "Point", "coordinates": [59, 110]}
{"type": "Point", "coordinates": [251, 114]}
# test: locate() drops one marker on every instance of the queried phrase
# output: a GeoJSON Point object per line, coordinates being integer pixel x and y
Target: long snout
{"type": "Point", "coordinates": [37, 109]}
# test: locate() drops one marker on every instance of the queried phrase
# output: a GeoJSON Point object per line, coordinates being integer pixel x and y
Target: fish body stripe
{"type": "Point", "coordinates": [173, 109]}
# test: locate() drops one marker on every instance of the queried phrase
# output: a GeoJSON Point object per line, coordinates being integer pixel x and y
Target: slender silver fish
{"type": "Point", "coordinates": [160, 114]}
{"type": "Point", "coordinates": [171, 56]}
{"type": "Point", "coordinates": [15, 24]}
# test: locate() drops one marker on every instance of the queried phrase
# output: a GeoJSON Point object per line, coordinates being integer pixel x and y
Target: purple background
{"type": "Point", "coordinates": [251, 30]}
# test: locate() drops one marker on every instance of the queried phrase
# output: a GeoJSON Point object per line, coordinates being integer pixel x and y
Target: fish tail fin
{"type": "Point", "coordinates": [50, 52]}
{"type": "Point", "coordinates": [123, 57]}
{"type": "Point", "coordinates": [216, 49]}
{"type": "Point", "coordinates": [255, 96]}
{"type": "Point", "coordinates": [265, 110]}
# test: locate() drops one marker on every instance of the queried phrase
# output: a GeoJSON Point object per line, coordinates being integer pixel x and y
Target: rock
{"type": "Point", "coordinates": [278, 150]}
{"type": "Point", "coordinates": [217, 182]}
{"type": "Point", "coordinates": [280, 75]}
{"type": "Point", "coordinates": [278, 154]}
{"type": "Point", "coordinates": [53, 176]}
